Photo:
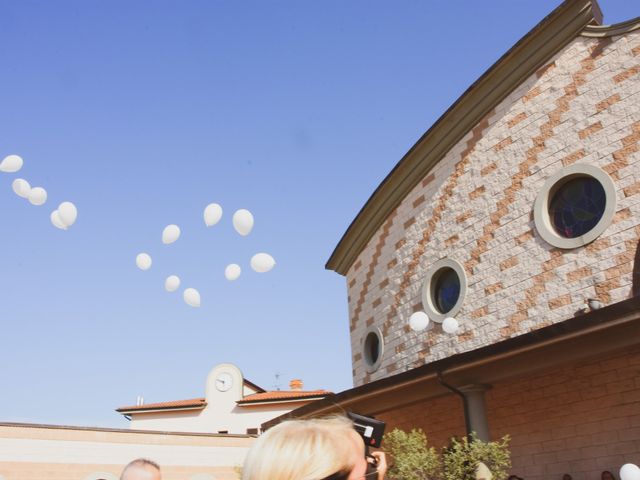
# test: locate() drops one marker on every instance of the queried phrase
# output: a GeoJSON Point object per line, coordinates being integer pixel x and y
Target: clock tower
{"type": "Point", "coordinates": [224, 385]}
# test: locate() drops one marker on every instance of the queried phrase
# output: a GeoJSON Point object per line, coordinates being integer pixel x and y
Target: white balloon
{"type": "Point", "coordinates": [232, 272]}
{"type": "Point", "coordinates": [11, 164]}
{"type": "Point", "coordinates": [418, 321]}
{"type": "Point", "coordinates": [450, 325]}
{"type": "Point", "coordinates": [68, 213]}
{"type": "Point", "coordinates": [191, 297]}
{"type": "Point", "coordinates": [262, 262]}
{"type": "Point", "coordinates": [55, 219]}
{"type": "Point", "coordinates": [37, 196]}
{"type": "Point", "coordinates": [243, 222]}
{"type": "Point", "coordinates": [21, 187]}
{"type": "Point", "coordinates": [172, 283]}
{"type": "Point", "coordinates": [170, 234]}
{"type": "Point", "coordinates": [629, 471]}
{"type": "Point", "coordinates": [143, 261]}
{"type": "Point", "coordinates": [212, 214]}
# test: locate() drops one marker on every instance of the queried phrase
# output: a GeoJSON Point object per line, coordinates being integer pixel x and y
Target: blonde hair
{"type": "Point", "coordinates": [302, 450]}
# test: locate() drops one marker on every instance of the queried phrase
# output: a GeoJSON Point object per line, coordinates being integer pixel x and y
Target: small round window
{"type": "Point", "coordinates": [443, 289]}
{"type": "Point", "coordinates": [574, 206]}
{"type": "Point", "coordinates": [372, 349]}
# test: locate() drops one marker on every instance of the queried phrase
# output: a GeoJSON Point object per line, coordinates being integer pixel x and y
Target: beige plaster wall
{"type": "Point", "coordinates": [236, 420]}
{"type": "Point", "coordinates": [222, 412]}
{"type": "Point", "coordinates": [37, 452]}
{"type": "Point", "coordinates": [476, 207]}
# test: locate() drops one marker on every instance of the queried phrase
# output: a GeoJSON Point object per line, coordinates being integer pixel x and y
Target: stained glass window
{"type": "Point", "coordinates": [577, 206]}
{"type": "Point", "coordinates": [446, 290]}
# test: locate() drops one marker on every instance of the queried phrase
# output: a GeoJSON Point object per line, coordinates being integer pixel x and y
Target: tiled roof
{"type": "Point", "coordinates": [283, 395]}
{"type": "Point", "coordinates": [193, 403]}
{"type": "Point", "coordinates": [176, 404]}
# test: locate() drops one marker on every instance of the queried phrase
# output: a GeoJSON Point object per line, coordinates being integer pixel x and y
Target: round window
{"type": "Point", "coordinates": [443, 289]}
{"type": "Point", "coordinates": [446, 289]}
{"type": "Point", "coordinates": [577, 206]}
{"type": "Point", "coordinates": [574, 206]}
{"type": "Point", "coordinates": [372, 349]}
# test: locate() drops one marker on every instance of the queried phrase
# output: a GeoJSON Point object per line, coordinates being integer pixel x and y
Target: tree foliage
{"type": "Point", "coordinates": [461, 458]}
{"type": "Point", "coordinates": [412, 458]}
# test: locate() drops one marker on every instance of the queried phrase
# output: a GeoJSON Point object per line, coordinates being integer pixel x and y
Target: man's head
{"type": "Point", "coordinates": [141, 469]}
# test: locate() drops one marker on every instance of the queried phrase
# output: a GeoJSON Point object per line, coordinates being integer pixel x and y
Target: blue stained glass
{"type": "Point", "coordinates": [447, 290]}
{"type": "Point", "coordinates": [577, 206]}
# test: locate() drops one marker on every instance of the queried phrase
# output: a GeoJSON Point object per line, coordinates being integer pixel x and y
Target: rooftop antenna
{"type": "Point", "coordinates": [277, 384]}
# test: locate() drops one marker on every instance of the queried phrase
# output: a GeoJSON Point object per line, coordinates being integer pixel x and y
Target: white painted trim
{"type": "Point", "coordinates": [272, 403]}
{"type": "Point", "coordinates": [156, 410]}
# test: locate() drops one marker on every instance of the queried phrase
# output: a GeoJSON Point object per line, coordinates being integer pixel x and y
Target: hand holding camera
{"type": "Point", "coordinates": [371, 431]}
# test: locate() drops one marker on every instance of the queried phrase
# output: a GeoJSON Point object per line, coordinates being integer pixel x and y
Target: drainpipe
{"type": "Point", "coordinates": [475, 417]}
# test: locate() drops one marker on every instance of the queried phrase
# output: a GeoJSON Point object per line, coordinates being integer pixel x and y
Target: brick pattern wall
{"type": "Point", "coordinates": [476, 207]}
{"type": "Point", "coordinates": [579, 419]}
{"type": "Point", "coordinates": [440, 418]}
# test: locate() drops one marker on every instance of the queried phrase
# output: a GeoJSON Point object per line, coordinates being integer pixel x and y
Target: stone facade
{"type": "Point", "coordinates": [476, 207]}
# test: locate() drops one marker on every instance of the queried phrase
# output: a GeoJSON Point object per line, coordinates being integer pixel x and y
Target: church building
{"type": "Point", "coordinates": [513, 224]}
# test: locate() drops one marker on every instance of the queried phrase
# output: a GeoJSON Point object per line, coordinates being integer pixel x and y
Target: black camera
{"type": "Point", "coordinates": [370, 429]}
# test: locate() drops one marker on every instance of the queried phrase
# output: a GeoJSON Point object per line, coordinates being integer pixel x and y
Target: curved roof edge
{"type": "Point", "coordinates": [530, 53]}
{"type": "Point", "coordinates": [600, 31]}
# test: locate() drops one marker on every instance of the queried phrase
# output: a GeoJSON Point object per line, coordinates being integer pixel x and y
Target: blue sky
{"type": "Point", "coordinates": [142, 113]}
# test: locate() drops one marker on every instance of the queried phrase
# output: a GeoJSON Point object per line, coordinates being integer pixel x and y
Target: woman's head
{"type": "Point", "coordinates": [306, 450]}
{"type": "Point", "coordinates": [607, 475]}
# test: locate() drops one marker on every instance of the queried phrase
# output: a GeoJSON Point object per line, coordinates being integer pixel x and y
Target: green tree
{"type": "Point", "coordinates": [461, 458]}
{"type": "Point", "coordinates": [411, 458]}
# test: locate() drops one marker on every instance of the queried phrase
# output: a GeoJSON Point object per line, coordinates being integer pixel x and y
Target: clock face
{"type": "Point", "coordinates": [224, 382]}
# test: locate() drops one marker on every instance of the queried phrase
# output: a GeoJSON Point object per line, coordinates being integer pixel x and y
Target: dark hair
{"type": "Point", "coordinates": [607, 471]}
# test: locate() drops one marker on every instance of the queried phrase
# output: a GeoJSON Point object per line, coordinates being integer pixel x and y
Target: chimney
{"type": "Point", "coordinates": [295, 384]}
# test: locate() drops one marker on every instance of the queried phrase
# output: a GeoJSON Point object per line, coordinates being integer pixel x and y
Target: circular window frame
{"type": "Point", "coordinates": [427, 289]}
{"type": "Point", "coordinates": [541, 217]}
{"type": "Point", "coordinates": [369, 365]}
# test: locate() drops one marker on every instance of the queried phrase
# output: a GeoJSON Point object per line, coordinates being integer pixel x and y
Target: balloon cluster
{"type": "Point", "coordinates": [242, 223]}
{"type": "Point", "coordinates": [419, 321]}
{"type": "Point", "coordinates": [66, 213]}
